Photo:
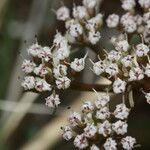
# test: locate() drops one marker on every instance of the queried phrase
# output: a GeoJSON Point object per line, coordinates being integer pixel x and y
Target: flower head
{"type": "Point", "coordinates": [119, 86]}
{"type": "Point", "coordinates": [112, 21]}
{"type": "Point", "coordinates": [128, 142]}
{"type": "Point", "coordinates": [110, 144]}
{"type": "Point", "coordinates": [121, 111]}
{"type": "Point", "coordinates": [52, 101]}
{"type": "Point", "coordinates": [63, 13]}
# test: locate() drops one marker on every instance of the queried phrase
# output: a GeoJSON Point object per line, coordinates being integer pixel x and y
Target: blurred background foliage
{"type": "Point", "coordinates": [33, 127]}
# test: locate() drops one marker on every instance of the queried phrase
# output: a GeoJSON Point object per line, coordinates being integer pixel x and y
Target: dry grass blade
{"type": "Point", "coordinates": [15, 118]}
{"type": "Point", "coordinates": [3, 4]}
{"type": "Point", "coordinates": [10, 106]}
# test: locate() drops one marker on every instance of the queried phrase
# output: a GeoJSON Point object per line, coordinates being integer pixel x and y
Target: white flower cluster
{"type": "Point", "coordinates": [85, 22]}
{"type": "Point", "coordinates": [48, 68]}
{"type": "Point", "coordinates": [98, 123]}
{"type": "Point", "coordinates": [124, 64]}
{"type": "Point", "coordinates": [131, 21]}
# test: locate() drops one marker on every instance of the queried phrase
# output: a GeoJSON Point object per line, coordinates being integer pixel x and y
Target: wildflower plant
{"type": "Point", "coordinates": [126, 65]}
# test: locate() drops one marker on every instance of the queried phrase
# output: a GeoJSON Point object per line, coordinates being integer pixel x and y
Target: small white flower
{"type": "Point", "coordinates": [52, 101]}
{"type": "Point", "coordinates": [45, 54]}
{"type": "Point", "coordinates": [130, 26]}
{"type": "Point", "coordinates": [126, 18]}
{"type": "Point", "coordinates": [114, 55]}
{"type": "Point", "coordinates": [63, 13]}
{"type": "Point", "coordinates": [41, 85]}
{"type": "Point", "coordinates": [112, 21]}
{"type": "Point", "coordinates": [62, 53]}
{"type": "Point", "coordinates": [89, 3]}
{"type": "Point", "coordinates": [147, 70]}
{"type": "Point", "coordinates": [128, 142]}
{"type": "Point", "coordinates": [62, 49]}
{"type": "Point", "coordinates": [136, 74]}
{"type": "Point", "coordinates": [60, 70]}
{"type": "Point", "coordinates": [112, 69]}
{"type": "Point", "coordinates": [128, 4]}
{"type": "Point", "coordinates": [94, 147]}
{"type": "Point", "coordinates": [110, 144]}
{"type": "Point", "coordinates": [138, 19]}
{"type": "Point", "coordinates": [69, 22]}
{"type": "Point", "coordinates": [28, 66]}
{"type": "Point", "coordinates": [28, 83]}
{"type": "Point", "coordinates": [98, 67]}
{"type": "Point", "coordinates": [93, 23]}
{"type": "Point", "coordinates": [41, 70]}
{"type": "Point", "coordinates": [78, 64]}
{"type": "Point", "coordinates": [74, 119]}
{"type": "Point", "coordinates": [122, 45]}
{"type": "Point", "coordinates": [67, 133]}
{"type": "Point", "coordinates": [146, 17]}
{"type": "Point", "coordinates": [63, 82]}
{"type": "Point", "coordinates": [147, 96]}
{"type": "Point", "coordinates": [102, 100]}
{"type": "Point", "coordinates": [75, 30]}
{"type": "Point", "coordinates": [144, 3]}
{"type": "Point", "coordinates": [120, 127]}
{"type": "Point", "coordinates": [81, 141]}
{"type": "Point", "coordinates": [90, 131]}
{"type": "Point", "coordinates": [103, 113]}
{"type": "Point", "coordinates": [80, 12]}
{"type": "Point", "coordinates": [121, 111]}
{"type": "Point", "coordinates": [141, 50]}
{"type": "Point", "coordinates": [88, 118]}
{"type": "Point", "coordinates": [94, 37]}
{"type": "Point", "coordinates": [87, 107]}
{"type": "Point", "coordinates": [127, 60]}
{"type": "Point", "coordinates": [59, 40]}
{"type": "Point", "coordinates": [119, 86]}
{"type": "Point", "coordinates": [34, 50]}
{"type": "Point", "coordinates": [129, 22]}
{"type": "Point", "coordinates": [105, 128]}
